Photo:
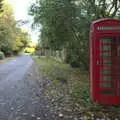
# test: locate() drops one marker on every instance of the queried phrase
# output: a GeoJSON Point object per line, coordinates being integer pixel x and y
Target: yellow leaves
{"type": "Point", "coordinates": [12, 37]}
{"type": "Point", "coordinates": [17, 43]}
{"type": "Point", "coordinates": [7, 16]}
{"type": "Point", "coordinates": [23, 30]}
{"type": "Point", "coordinates": [7, 7]}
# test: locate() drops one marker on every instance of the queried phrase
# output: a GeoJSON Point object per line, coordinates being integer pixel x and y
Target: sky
{"type": "Point", "coordinates": [20, 8]}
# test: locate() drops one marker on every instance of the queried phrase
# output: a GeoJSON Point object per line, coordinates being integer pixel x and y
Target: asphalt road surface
{"type": "Point", "coordinates": [20, 97]}
{"type": "Point", "coordinates": [14, 70]}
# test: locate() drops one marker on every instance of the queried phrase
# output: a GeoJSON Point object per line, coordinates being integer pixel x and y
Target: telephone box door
{"type": "Point", "coordinates": [109, 69]}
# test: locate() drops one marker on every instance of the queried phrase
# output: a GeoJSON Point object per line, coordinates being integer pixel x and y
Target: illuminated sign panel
{"type": "Point", "coordinates": [108, 28]}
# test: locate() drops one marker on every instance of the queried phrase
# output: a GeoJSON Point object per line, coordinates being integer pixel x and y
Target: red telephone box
{"type": "Point", "coordinates": [105, 61]}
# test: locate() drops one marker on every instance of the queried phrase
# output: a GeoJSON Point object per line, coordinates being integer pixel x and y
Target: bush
{"type": "Point", "coordinates": [80, 94]}
{"type": "Point", "coordinates": [29, 50]}
{"type": "Point", "coordinates": [1, 55]}
{"type": "Point", "coordinates": [74, 80]}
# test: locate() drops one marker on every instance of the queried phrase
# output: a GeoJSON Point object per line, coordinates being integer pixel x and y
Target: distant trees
{"type": "Point", "coordinates": [31, 47]}
{"type": "Point", "coordinates": [12, 37]}
{"type": "Point", "coordinates": [64, 25]}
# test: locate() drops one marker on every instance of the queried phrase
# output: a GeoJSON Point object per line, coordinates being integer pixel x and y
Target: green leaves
{"type": "Point", "coordinates": [65, 24]}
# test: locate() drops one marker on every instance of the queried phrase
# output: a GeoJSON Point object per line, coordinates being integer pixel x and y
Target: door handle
{"type": "Point", "coordinates": [98, 62]}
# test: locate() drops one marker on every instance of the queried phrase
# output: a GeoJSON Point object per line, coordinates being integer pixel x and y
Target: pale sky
{"type": "Point", "coordinates": [20, 8]}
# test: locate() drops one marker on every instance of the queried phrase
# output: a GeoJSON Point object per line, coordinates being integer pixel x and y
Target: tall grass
{"type": "Point", "coordinates": [73, 82]}
{"type": "Point", "coordinates": [70, 88]}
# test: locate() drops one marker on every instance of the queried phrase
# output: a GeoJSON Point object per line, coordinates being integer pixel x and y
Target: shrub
{"type": "Point", "coordinates": [1, 55]}
{"type": "Point", "coordinates": [80, 94]}
{"type": "Point", "coordinates": [76, 80]}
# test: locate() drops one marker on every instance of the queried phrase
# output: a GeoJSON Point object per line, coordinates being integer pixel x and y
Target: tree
{"type": "Point", "coordinates": [65, 25]}
{"type": "Point", "coordinates": [12, 37]}
{"type": "Point", "coordinates": [22, 39]}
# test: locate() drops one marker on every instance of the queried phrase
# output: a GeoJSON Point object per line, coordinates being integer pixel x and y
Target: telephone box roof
{"type": "Point", "coordinates": [104, 20]}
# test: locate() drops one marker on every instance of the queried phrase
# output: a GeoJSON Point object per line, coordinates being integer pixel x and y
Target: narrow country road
{"type": "Point", "coordinates": [14, 70]}
{"type": "Point", "coordinates": [21, 98]}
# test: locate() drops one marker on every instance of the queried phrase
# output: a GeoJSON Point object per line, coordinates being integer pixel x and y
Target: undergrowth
{"type": "Point", "coordinates": [73, 82]}
{"type": "Point", "coordinates": [70, 86]}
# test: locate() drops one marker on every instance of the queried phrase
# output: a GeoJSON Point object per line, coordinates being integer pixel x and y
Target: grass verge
{"type": "Point", "coordinates": [69, 89]}
{"type": "Point", "coordinates": [5, 60]}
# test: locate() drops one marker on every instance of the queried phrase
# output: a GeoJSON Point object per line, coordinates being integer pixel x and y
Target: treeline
{"type": "Point", "coordinates": [13, 39]}
{"type": "Point", "coordinates": [64, 26]}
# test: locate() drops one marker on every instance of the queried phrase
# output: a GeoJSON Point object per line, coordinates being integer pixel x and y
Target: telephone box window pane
{"type": "Point", "coordinates": [106, 71]}
{"type": "Point", "coordinates": [109, 92]}
{"type": "Point", "coordinates": [106, 40]}
{"type": "Point", "coordinates": [106, 78]}
{"type": "Point", "coordinates": [106, 47]}
{"type": "Point", "coordinates": [107, 62]}
{"type": "Point", "coordinates": [107, 84]}
{"type": "Point", "coordinates": [105, 54]}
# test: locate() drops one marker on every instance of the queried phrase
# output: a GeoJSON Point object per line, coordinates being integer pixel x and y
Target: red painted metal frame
{"type": "Point", "coordinates": [95, 35]}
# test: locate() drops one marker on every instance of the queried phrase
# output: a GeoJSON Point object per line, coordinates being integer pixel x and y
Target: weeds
{"type": "Point", "coordinates": [69, 89]}
{"type": "Point", "coordinates": [66, 80]}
